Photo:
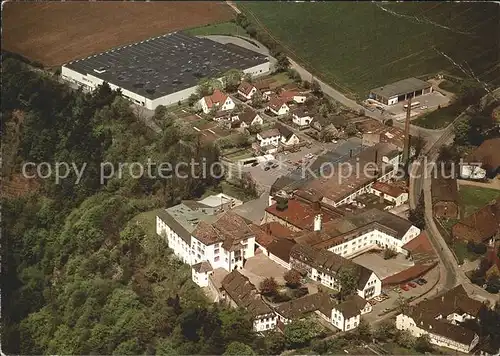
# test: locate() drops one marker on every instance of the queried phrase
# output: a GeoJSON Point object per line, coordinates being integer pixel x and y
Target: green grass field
{"type": "Point", "coordinates": [474, 198]}
{"type": "Point", "coordinates": [359, 46]}
{"type": "Point", "coordinates": [440, 118]}
{"type": "Point", "coordinates": [225, 28]}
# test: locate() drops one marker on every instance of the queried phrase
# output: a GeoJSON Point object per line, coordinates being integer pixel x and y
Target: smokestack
{"type": "Point", "coordinates": [406, 148]}
{"type": "Point", "coordinates": [317, 222]}
{"type": "Point", "coordinates": [376, 156]}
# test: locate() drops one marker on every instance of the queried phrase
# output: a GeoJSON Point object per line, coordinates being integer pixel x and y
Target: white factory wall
{"type": "Point", "coordinates": [90, 82]}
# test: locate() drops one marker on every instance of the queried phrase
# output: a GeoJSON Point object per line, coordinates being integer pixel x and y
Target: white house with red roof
{"type": "Point", "coordinates": [290, 96]}
{"type": "Point", "coordinates": [218, 100]}
{"type": "Point", "coordinates": [247, 90]}
{"type": "Point", "coordinates": [278, 106]}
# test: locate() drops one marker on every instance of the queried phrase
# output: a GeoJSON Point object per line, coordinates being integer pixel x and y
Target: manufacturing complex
{"type": "Point", "coordinates": [162, 70]}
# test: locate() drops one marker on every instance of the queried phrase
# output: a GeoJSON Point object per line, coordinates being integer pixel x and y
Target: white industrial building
{"type": "Point", "coordinates": [162, 70]}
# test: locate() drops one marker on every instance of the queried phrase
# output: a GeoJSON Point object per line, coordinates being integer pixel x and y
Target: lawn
{"type": "Point", "coordinates": [440, 118]}
{"type": "Point", "coordinates": [225, 28]}
{"type": "Point", "coordinates": [462, 252]}
{"type": "Point", "coordinates": [357, 47]}
{"type": "Point", "coordinates": [474, 198]}
{"type": "Point", "coordinates": [147, 220]}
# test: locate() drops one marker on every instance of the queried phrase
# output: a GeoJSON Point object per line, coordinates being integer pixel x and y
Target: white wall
{"type": "Point", "coordinates": [294, 140]}
{"type": "Point", "coordinates": [341, 323]}
{"type": "Point", "coordinates": [258, 70]}
{"type": "Point", "coordinates": [274, 140]}
{"type": "Point", "coordinates": [404, 322]}
{"type": "Point", "coordinates": [200, 279]}
{"type": "Point", "coordinates": [372, 288]}
{"type": "Point", "coordinates": [301, 121]}
{"type": "Point", "coordinates": [175, 242]}
{"type": "Point", "coordinates": [264, 323]}
{"type": "Point", "coordinates": [279, 261]}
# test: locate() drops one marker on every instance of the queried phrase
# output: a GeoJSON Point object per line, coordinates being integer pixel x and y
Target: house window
{"type": "Point", "coordinates": [216, 251]}
{"type": "Point", "coordinates": [216, 258]}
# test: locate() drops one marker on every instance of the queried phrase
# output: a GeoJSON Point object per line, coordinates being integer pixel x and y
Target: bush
{"type": "Point", "coordinates": [269, 286]}
{"type": "Point", "coordinates": [292, 278]}
{"type": "Point", "coordinates": [389, 122]}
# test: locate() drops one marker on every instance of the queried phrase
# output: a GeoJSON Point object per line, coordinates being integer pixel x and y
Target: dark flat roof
{"type": "Point", "coordinates": [166, 64]}
{"type": "Point", "coordinates": [404, 86]}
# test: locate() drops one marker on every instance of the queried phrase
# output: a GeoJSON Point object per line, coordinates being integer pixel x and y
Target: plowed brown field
{"type": "Point", "coordinates": [54, 33]}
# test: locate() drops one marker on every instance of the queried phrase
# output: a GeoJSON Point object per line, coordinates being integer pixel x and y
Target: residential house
{"type": "Point", "coordinates": [479, 227]}
{"type": "Point", "coordinates": [218, 100]}
{"type": "Point", "coordinates": [319, 303]}
{"type": "Point", "coordinates": [238, 291]}
{"type": "Point", "coordinates": [292, 96]}
{"type": "Point", "coordinates": [320, 122]}
{"type": "Point", "coordinates": [227, 115]}
{"type": "Point", "coordinates": [445, 198]}
{"type": "Point", "coordinates": [278, 106]}
{"type": "Point", "coordinates": [247, 90]}
{"type": "Point", "coordinates": [302, 117]}
{"type": "Point", "coordinates": [389, 192]}
{"type": "Point", "coordinates": [288, 137]}
{"type": "Point", "coordinates": [440, 318]}
{"type": "Point", "coordinates": [248, 118]}
{"type": "Point", "coordinates": [269, 137]}
{"type": "Point", "coordinates": [482, 162]}
{"type": "Point", "coordinates": [324, 266]}
{"type": "Point", "coordinates": [347, 315]}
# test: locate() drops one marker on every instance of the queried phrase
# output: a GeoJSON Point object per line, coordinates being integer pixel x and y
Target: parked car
{"type": "Point", "coordinates": [274, 165]}
{"type": "Point", "coordinates": [255, 164]}
{"type": "Point", "coordinates": [266, 168]}
{"type": "Point", "coordinates": [413, 285]}
{"type": "Point", "coordinates": [420, 282]}
{"type": "Point", "coordinates": [423, 280]}
{"type": "Point", "coordinates": [405, 287]}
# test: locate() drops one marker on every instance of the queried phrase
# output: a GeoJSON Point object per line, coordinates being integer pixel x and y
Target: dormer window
{"type": "Point", "coordinates": [100, 70]}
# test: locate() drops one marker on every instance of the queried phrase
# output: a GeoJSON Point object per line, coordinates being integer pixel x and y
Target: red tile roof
{"type": "Point", "coordinates": [479, 226]}
{"type": "Point", "coordinates": [299, 214]}
{"type": "Point", "coordinates": [276, 103]}
{"type": "Point", "coordinates": [245, 87]}
{"type": "Point", "coordinates": [388, 189]}
{"type": "Point", "coordinates": [217, 98]}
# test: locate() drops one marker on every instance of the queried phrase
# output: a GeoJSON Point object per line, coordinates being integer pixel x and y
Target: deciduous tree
{"type": "Point", "coordinates": [292, 278]}
{"type": "Point", "coordinates": [269, 286]}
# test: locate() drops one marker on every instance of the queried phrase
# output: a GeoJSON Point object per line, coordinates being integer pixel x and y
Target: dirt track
{"type": "Point", "coordinates": [54, 33]}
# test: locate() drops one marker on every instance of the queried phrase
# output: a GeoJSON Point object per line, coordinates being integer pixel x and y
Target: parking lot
{"type": "Point", "coordinates": [288, 162]}
{"type": "Point", "coordinates": [383, 268]}
{"type": "Point", "coordinates": [429, 101]}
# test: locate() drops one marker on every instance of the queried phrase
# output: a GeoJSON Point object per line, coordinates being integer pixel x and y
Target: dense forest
{"type": "Point", "coordinates": [79, 274]}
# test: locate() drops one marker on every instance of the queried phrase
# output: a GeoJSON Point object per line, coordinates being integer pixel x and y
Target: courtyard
{"type": "Point", "coordinates": [383, 268]}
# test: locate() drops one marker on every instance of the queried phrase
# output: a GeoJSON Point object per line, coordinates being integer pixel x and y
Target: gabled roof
{"type": "Point", "coordinates": [288, 95]}
{"type": "Point", "coordinates": [284, 131]}
{"type": "Point", "coordinates": [270, 133]}
{"type": "Point", "coordinates": [302, 111]}
{"type": "Point", "coordinates": [351, 307]}
{"type": "Point", "coordinates": [281, 248]}
{"type": "Point", "coordinates": [247, 116]}
{"type": "Point", "coordinates": [245, 87]}
{"type": "Point", "coordinates": [202, 267]}
{"type": "Point", "coordinates": [480, 225]}
{"type": "Point", "coordinates": [388, 189]}
{"type": "Point", "coordinates": [244, 294]}
{"type": "Point", "coordinates": [431, 314]}
{"type": "Point", "coordinates": [276, 103]}
{"type": "Point", "coordinates": [228, 228]}
{"type": "Point", "coordinates": [299, 307]}
{"type": "Point", "coordinates": [217, 98]}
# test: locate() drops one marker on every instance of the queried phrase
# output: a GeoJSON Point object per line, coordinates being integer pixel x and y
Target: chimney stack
{"type": "Point", "coordinates": [406, 148]}
{"type": "Point", "coordinates": [317, 222]}
{"type": "Point", "coordinates": [376, 156]}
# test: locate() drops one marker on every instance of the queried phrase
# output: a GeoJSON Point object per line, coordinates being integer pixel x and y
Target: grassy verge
{"type": "Point", "coordinates": [450, 86]}
{"type": "Point", "coordinates": [463, 253]}
{"type": "Point", "coordinates": [440, 118]}
{"type": "Point", "coordinates": [474, 198]}
{"type": "Point", "coordinates": [225, 28]}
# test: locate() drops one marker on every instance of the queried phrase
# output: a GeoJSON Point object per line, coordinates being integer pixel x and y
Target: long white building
{"type": "Point", "coordinates": [162, 70]}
